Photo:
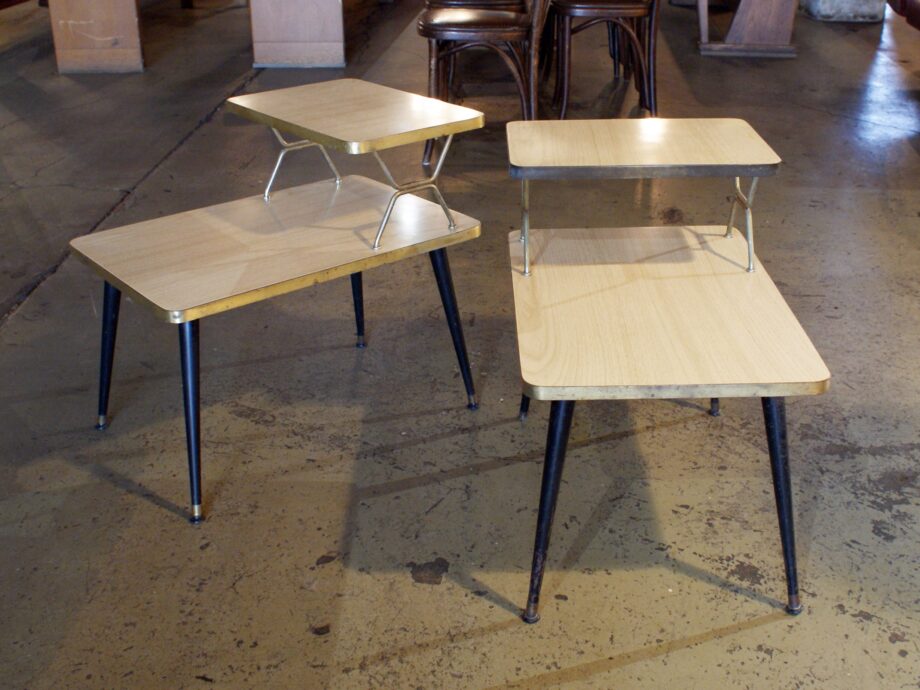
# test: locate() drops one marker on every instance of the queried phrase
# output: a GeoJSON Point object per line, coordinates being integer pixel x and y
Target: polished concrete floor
{"type": "Point", "coordinates": [365, 530]}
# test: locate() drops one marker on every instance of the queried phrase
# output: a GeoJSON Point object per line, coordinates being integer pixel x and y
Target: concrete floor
{"type": "Point", "coordinates": [364, 529]}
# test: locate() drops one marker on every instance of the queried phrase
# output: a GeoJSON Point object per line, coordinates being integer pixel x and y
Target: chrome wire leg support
{"type": "Point", "coordinates": [525, 223]}
{"type": "Point", "coordinates": [414, 186]}
{"type": "Point", "coordinates": [286, 147]}
{"type": "Point", "coordinates": [745, 202]}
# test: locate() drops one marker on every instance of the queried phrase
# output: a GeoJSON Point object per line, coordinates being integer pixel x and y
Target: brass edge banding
{"type": "Point", "coordinates": [588, 392]}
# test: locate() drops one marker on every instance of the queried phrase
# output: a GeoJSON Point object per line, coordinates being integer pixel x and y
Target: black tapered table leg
{"type": "Point", "coordinates": [188, 352]}
{"type": "Point", "coordinates": [714, 407]}
{"type": "Point", "coordinates": [560, 422]}
{"type": "Point", "coordinates": [524, 408]}
{"type": "Point", "coordinates": [111, 303]}
{"type": "Point", "coordinates": [357, 293]}
{"type": "Point", "coordinates": [446, 287]}
{"type": "Point", "coordinates": [774, 415]}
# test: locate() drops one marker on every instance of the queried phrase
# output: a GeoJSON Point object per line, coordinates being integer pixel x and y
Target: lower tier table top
{"type": "Point", "coordinates": [661, 312]}
{"type": "Point", "coordinates": [209, 260]}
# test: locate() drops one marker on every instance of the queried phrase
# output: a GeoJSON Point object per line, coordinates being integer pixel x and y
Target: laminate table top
{"type": "Point", "coordinates": [208, 260]}
{"type": "Point", "coordinates": [661, 312]}
{"type": "Point", "coordinates": [638, 148]}
{"type": "Point", "coordinates": [355, 116]}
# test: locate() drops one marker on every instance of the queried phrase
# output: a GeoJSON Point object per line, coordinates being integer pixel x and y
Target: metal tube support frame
{"type": "Point", "coordinates": [525, 223]}
{"type": "Point", "coordinates": [745, 202]}
{"type": "Point", "coordinates": [415, 186]}
{"type": "Point", "coordinates": [287, 147]}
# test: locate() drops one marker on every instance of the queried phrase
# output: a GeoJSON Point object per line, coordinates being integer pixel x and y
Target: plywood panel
{"type": "Point", "coordinates": [96, 35]}
{"type": "Point", "coordinates": [306, 33]}
{"type": "Point", "coordinates": [760, 28]}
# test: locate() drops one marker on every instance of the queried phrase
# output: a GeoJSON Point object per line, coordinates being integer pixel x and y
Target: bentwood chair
{"type": "Point", "coordinates": [512, 35]}
{"type": "Point", "coordinates": [636, 21]}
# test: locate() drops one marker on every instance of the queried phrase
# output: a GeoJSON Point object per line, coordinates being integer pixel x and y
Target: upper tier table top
{"type": "Point", "coordinates": [209, 260]}
{"type": "Point", "coordinates": [665, 312]}
{"type": "Point", "coordinates": [355, 116]}
{"type": "Point", "coordinates": [638, 148]}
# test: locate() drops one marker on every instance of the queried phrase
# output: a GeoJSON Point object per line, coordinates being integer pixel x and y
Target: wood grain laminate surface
{"type": "Point", "coordinates": [209, 260]}
{"type": "Point", "coordinates": [638, 148]}
{"type": "Point", "coordinates": [666, 312]}
{"type": "Point", "coordinates": [355, 116]}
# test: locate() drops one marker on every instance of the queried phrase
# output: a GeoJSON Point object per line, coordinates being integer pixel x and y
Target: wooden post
{"type": "Point", "coordinates": [760, 28]}
{"type": "Point", "coordinates": [96, 36]}
{"type": "Point", "coordinates": [297, 33]}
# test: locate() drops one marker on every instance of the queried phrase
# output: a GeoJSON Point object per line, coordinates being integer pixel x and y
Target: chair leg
{"type": "Point", "coordinates": [628, 58]}
{"type": "Point", "coordinates": [774, 415]}
{"type": "Point", "coordinates": [357, 294]}
{"type": "Point", "coordinates": [547, 44]}
{"type": "Point", "coordinates": [451, 73]}
{"type": "Point", "coordinates": [524, 408]}
{"type": "Point", "coordinates": [635, 62]}
{"type": "Point", "coordinates": [188, 353]}
{"type": "Point", "coordinates": [613, 47]}
{"type": "Point", "coordinates": [111, 303]}
{"type": "Point", "coordinates": [443, 73]}
{"type": "Point", "coordinates": [532, 76]}
{"type": "Point", "coordinates": [441, 268]}
{"type": "Point", "coordinates": [514, 56]}
{"type": "Point", "coordinates": [557, 437]}
{"type": "Point", "coordinates": [565, 63]}
{"type": "Point", "coordinates": [651, 33]}
{"type": "Point", "coordinates": [557, 41]}
{"type": "Point", "coordinates": [433, 90]}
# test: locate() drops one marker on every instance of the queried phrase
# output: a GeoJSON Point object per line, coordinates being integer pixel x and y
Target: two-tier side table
{"type": "Point", "coordinates": [651, 312]}
{"type": "Point", "coordinates": [201, 262]}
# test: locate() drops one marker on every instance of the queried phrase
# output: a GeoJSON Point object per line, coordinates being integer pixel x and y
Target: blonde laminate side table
{"type": "Point", "coordinates": [198, 263]}
{"type": "Point", "coordinates": [661, 312]}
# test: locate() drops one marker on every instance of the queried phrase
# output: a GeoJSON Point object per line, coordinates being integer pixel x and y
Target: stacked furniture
{"type": "Point", "coordinates": [632, 27]}
{"type": "Point", "coordinates": [511, 31]}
